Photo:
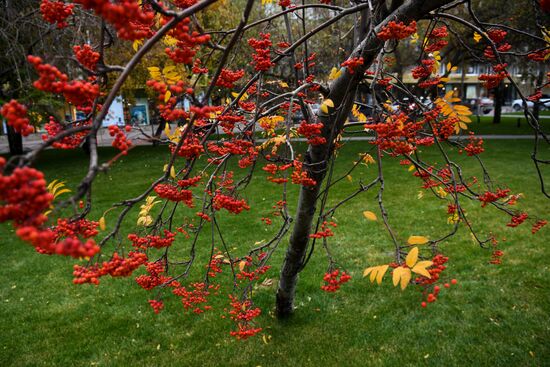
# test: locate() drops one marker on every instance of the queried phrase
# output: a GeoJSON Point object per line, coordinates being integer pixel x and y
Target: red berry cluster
{"type": "Point", "coordinates": [435, 270]}
{"type": "Point", "coordinates": [539, 56]}
{"type": "Point", "coordinates": [496, 257]}
{"type": "Point", "coordinates": [204, 216]}
{"type": "Point", "coordinates": [496, 35]}
{"type": "Point", "coordinates": [436, 42]}
{"type": "Point", "coordinates": [184, 4]}
{"type": "Point", "coordinates": [243, 313]}
{"type": "Point", "coordinates": [261, 58]}
{"type": "Point", "coordinates": [334, 279]}
{"type": "Point", "coordinates": [44, 241]}
{"type": "Point", "coordinates": [538, 225]}
{"type": "Point", "coordinates": [190, 148]}
{"type": "Point", "coordinates": [120, 142]}
{"type": "Point", "coordinates": [491, 81]}
{"type": "Point", "coordinates": [251, 274]}
{"type": "Point", "coordinates": [311, 132]}
{"type": "Point", "coordinates": [157, 305]}
{"type": "Point", "coordinates": [151, 241]}
{"type": "Point", "coordinates": [56, 12]}
{"type": "Point", "coordinates": [228, 121]}
{"type": "Point", "coordinates": [24, 197]}
{"type": "Point", "coordinates": [229, 203]}
{"type": "Point", "coordinates": [425, 70]}
{"type": "Point", "coordinates": [517, 219]}
{"type": "Point", "coordinates": [16, 116]}
{"type": "Point", "coordinates": [86, 56]}
{"type": "Point", "coordinates": [475, 146]}
{"type": "Point", "coordinates": [174, 193]}
{"type": "Point", "coordinates": [80, 93]}
{"type": "Point", "coordinates": [155, 277]}
{"type": "Point", "coordinates": [397, 30]}
{"type": "Point", "coordinates": [188, 42]}
{"type": "Point", "coordinates": [131, 20]}
{"type": "Point", "coordinates": [228, 78]}
{"type": "Point", "coordinates": [81, 227]}
{"type": "Point", "coordinates": [300, 177]}
{"type": "Point", "coordinates": [214, 266]}
{"type": "Point", "coordinates": [352, 63]}
{"type": "Point", "coordinates": [195, 298]}
{"type": "Point", "coordinates": [325, 230]}
{"type": "Point", "coordinates": [432, 297]}
{"type": "Point", "coordinates": [116, 267]}
{"type": "Point", "coordinates": [397, 134]}
{"type": "Point", "coordinates": [490, 197]}
{"type": "Point", "coordinates": [68, 142]}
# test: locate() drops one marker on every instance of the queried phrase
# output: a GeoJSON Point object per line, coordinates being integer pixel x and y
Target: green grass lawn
{"type": "Point", "coordinates": [507, 126]}
{"type": "Point", "coordinates": [495, 316]}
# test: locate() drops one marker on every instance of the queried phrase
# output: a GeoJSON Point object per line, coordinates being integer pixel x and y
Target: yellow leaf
{"type": "Point", "coordinates": [405, 278]}
{"type": "Point", "coordinates": [477, 37]}
{"type": "Point", "coordinates": [153, 69]}
{"type": "Point", "coordinates": [349, 178]}
{"type": "Point", "coordinates": [367, 271]}
{"type": "Point", "coordinates": [401, 275]}
{"type": "Point", "coordinates": [168, 69]}
{"type": "Point", "coordinates": [420, 268]}
{"type": "Point", "coordinates": [283, 84]}
{"type": "Point", "coordinates": [381, 272]}
{"type": "Point", "coordinates": [411, 168]}
{"type": "Point", "coordinates": [370, 215]}
{"type": "Point", "coordinates": [51, 184]}
{"type": "Point", "coordinates": [374, 273]}
{"type": "Point", "coordinates": [464, 118]}
{"type": "Point", "coordinates": [102, 225]}
{"type": "Point", "coordinates": [417, 240]}
{"type": "Point", "coordinates": [412, 257]}
{"type": "Point", "coordinates": [136, 44]}
{"type": "Point", "coordinates": [57, 186]}
{"type": "Point", "coordinates": [172, 172]}
{"type": "Point", "coordinates": [334, 74]}
{"type": "Point", "coordinates": [325, 105]}
{"type": "Point", "coordinates": [242, 264]}
{"type": "Point", "coordinates": [61, 192]}
{"type": "Point", "coordinates": [167, 96]}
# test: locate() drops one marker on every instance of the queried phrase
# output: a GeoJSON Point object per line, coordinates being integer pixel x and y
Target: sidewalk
{"type": "Point", "coordinates": [104, 139]}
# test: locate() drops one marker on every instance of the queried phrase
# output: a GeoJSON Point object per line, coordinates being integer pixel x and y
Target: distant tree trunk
{"type": "Point", "coordinates": [158, 133]}
{"type": "Point", "coordinates": [499, 101]}
{"type": "Point", "coordinates": [15, 141]}
{"type": "Point", "coordinates": [536, 105]}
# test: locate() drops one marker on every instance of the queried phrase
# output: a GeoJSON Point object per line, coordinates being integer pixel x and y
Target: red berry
{"type": "Point", "coordinates": [423, 304]}
{"type": "Point", "coordinates": [453, 281]}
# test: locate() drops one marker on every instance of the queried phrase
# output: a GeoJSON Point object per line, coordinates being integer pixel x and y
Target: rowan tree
{"type": "Point", "coordinates": [244, 114]}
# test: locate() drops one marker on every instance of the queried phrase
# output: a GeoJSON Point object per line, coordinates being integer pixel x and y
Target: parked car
{"type": "Point", "coordinates": [517, 104]}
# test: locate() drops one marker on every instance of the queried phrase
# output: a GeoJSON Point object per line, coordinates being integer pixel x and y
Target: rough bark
{"type": "Point", "coordinates": [15, 142]}
{"type": "Point", "coordinates": [342, 93]}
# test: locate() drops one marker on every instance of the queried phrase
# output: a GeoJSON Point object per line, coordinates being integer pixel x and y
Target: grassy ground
{"type": "Point", "coordinates": [497, 315]}
{"type": "Point", "coordinates": [507, 126]}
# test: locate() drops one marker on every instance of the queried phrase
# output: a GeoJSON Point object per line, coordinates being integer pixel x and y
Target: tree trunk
{"type": "Point", "coordinates": [499, 101]}
{"type": "Point", "coordinates": [537, 104]}
{"type": "Point", "coordinates": [15, 141]}
{"type": "Point", "coordinates": [342, 93]}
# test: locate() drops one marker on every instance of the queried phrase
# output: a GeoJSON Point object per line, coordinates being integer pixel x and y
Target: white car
{"type": "Point", "coordinates": [517, 104]}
